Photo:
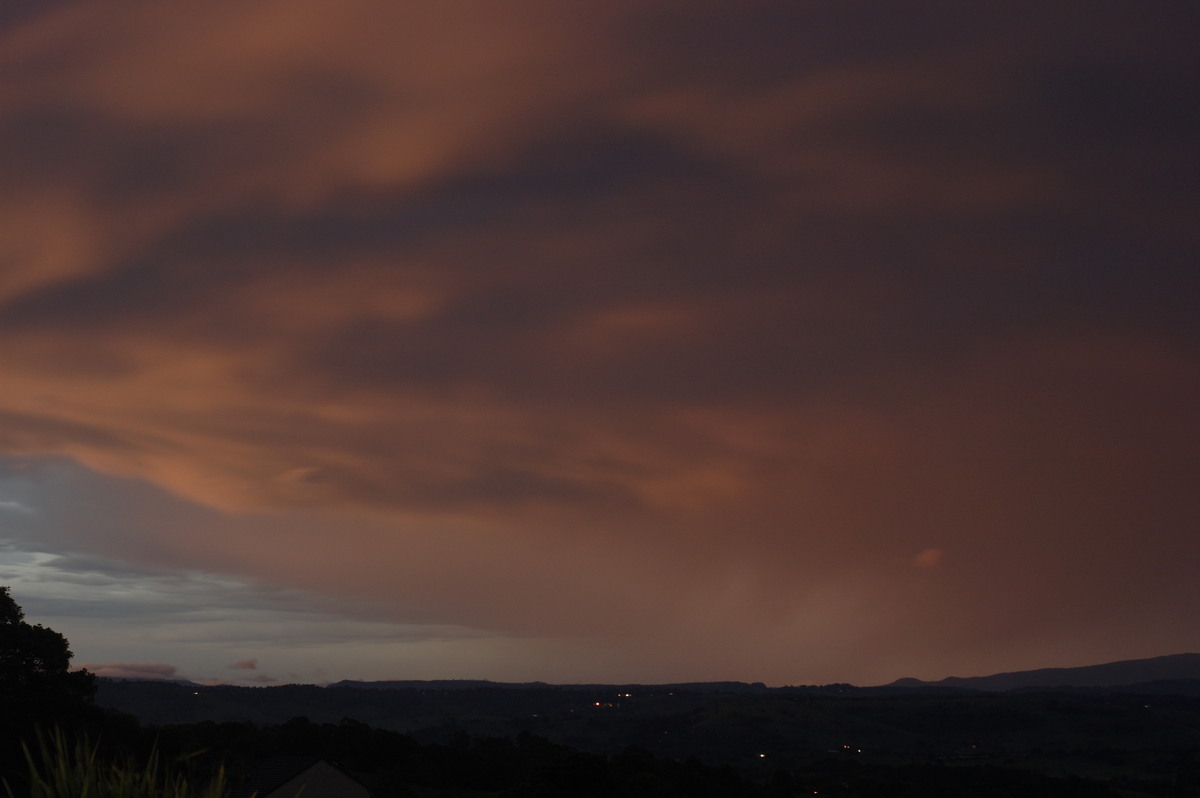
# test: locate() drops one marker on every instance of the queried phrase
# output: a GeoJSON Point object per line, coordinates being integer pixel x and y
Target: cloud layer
{"type": "Point", "coordinates": [673, 335]}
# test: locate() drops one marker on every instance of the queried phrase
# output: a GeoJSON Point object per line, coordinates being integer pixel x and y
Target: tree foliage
{"type": "Point", "coordinates": [35, 662]}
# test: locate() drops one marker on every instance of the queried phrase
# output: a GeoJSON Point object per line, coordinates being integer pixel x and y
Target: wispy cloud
{"type": "Point", "coordinates": [125, 670]}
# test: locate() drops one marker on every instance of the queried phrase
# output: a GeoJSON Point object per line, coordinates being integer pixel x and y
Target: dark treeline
{"type": "Point", "coordinates": [456, 763]}
{"type": "Point", "coordinates": [464, 765]}
{"type": "Point", "coordinates": [460, 764]}
{"type": "Point", "coordinates": [819, 738]}
{"type": "Point", "coordinates": [394, 765]}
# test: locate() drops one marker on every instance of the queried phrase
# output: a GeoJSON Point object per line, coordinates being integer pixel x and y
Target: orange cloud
{"type": "Point", "coordinates": [538, 320]}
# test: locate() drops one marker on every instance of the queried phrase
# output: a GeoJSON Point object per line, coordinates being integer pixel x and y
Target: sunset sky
{"type": "Point", "coordinates": [792, 341]}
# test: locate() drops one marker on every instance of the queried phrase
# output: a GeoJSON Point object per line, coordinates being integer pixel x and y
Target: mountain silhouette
{"type": "Point", "coordinates": [1174, 667]}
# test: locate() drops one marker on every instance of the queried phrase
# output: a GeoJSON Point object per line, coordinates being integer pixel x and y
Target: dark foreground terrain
{"type": "Point", "coordinates": [1128, 729]}
{"type": "Point", "coordinates": [482, 739]}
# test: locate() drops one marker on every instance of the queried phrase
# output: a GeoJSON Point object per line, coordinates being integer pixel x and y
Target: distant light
{"type": "Point", "coordinates": [762, 756]}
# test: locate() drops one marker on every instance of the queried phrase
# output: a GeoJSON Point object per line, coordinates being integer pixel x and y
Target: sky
{"type": "Point", "coordinates": [797, 341]}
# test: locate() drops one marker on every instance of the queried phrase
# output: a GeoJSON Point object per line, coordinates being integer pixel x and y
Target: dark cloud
{"type": "Point", "coordinates": [14, 14]}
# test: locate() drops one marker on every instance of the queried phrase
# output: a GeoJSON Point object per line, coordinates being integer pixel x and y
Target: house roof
{"type": "Point", "coordinates": [268, 775]}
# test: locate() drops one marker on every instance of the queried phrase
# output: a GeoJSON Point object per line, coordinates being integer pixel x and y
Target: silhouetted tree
{"type": "Point", "coordinates": [37, 688]}
{"type": "Point", "coordinates": [35, 663]}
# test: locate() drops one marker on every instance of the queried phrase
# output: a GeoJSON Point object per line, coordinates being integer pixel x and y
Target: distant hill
{"type": "Point", "coordinates": [1174, 668]}
{"type": "Point", "coordinates": [474, 684]}
{"type": "Point", "coordinates": [151, 679]}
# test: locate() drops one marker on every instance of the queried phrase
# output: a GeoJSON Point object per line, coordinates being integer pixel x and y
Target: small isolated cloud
{"type": "Point", "coordinates": [126, 670]}
{"type": "Point", "coordinates": [244, 665]}
{"type": "Point", "coordinates": [929, 558]}
{"type": "Point", "coordinates": [15, 507]}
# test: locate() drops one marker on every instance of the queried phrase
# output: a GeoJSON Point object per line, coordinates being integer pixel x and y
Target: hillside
{"type": "Point", "coordinates": [1175, 668]}
{"type": "Point", "coordinates": [1129, 729]}
{"type": "Point", "coordinates": [1094, 731]}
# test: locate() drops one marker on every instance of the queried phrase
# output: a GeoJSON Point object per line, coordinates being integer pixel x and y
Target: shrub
{"type": "Point", "coordinates": [60, 769]}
